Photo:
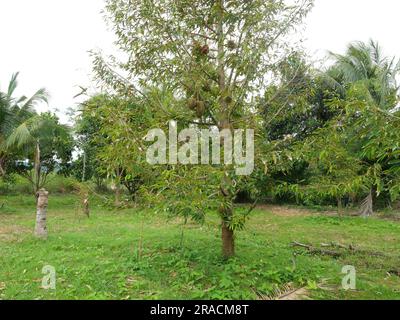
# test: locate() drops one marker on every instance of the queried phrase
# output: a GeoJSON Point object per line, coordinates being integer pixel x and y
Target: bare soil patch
{"type": "Point", "coordinates": [284, 211]}
{"type": "Point", "coordinates": [13, 232]}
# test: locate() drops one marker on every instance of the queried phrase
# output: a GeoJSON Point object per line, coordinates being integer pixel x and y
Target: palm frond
{"type": "Point", "coordinates": [12, 84]}
{"type": "Point", "coordinates": [40, 96]}
{"type": "Point", "coordinates": [20, 137]}
{"type": "Point", "coordinates": [365, 64]}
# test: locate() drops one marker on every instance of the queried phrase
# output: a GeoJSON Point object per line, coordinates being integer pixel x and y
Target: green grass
{"type": "Point", "coordinates": [17, 185]}
{"type": "Point", "coordinates": [131, 254]}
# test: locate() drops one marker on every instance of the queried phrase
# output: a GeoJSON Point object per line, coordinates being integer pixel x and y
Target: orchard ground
{"type": "Point", "coordinates": [136, 254]}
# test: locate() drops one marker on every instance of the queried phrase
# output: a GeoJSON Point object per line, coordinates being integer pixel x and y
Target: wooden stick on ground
{"type": "Point", "coordinates": [355, 250]}
{"type": "Point", "coordinates": [315, 250]}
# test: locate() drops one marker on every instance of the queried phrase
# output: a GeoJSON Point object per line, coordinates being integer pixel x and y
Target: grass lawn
{"type": "Point", "coordinates": [131, 254]}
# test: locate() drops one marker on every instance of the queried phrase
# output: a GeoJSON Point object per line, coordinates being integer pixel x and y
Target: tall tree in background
{"type": "Point", "coordinates": [295, 106]}
{"type": "Point", "coordinates": [87, 128]}
{"type": "Point", "coordinates": [365, 65]}
{"type": "Point", "coordinates": [297, 103]}
{"type": "Point", "coordinates": [214, 58]}
{"type": "Point", "coordinates": [113, 145]}
{"type": "Point", "coordinates": [354, 153]}
{"type": "Point", "coordinates": [369, 78]}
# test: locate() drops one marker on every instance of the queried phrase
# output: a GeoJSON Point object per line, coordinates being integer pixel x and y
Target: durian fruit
{"type": "Point", "coordinates": [200, 50]}
{"type": "Point", "coordinates": [231, 45]}
{"type": "Point", "coordinates": [200, 108]}
{"type": "Point", "coordinates": [205, 50]}
{"type": "Point", "coordinates": [192, 104]}
{"type": "Point", "coordinates": [228, 99]}
{"type": "Point", "coordinates": [206, 87]}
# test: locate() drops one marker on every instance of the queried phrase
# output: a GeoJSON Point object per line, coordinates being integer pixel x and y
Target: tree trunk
{"type": "Point", "coordinates": [340, 206]}
{"type": "Point", "coordinates": [2, 166]}
{"type": "Point", "coordinates": [228, 241]}
{"type": "Point", "coordinates": [37, 169]}
{"type": "Point", "coordinates": [86, 209]}
{"type": "Point", "coordinates": [41, 215]}
{"type": "Point", "coordinates": [117, 195]}
{"type": "Point", "coordinates": [367, 206]}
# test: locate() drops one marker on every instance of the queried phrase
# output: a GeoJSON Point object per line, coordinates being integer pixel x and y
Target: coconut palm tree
{"type": "Point", "coordinates": [35, 136]}
{"type": "Point", "coordinates": [371, 76]}
{"type": "Point", "coordinates": [365, 64]}
{"type": "Point", "coordinates": [13, 112]}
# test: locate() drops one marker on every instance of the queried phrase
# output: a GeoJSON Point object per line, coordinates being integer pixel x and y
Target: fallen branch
{"type": "Point", "coordinates": [295, 294]}
{"type": "Point", "coordinates": [318, 251]}
{"type": "Point", "coordinates": [355, 250]}
{"type": "Point", "coordinates": [349, 249]}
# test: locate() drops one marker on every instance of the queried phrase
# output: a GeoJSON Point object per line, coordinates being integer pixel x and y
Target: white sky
{"type": "Point", "coordinates": [48, 40]}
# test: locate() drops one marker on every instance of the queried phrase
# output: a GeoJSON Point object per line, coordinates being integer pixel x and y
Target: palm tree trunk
{"type": "Point", "coordinates": [367, 206]}
{"type": "Point", "coordinates": [86, 208]}
{"type": "Point", "coordinates": [37, 168]}
{"type": "Point", "coordinates": [41, 214]}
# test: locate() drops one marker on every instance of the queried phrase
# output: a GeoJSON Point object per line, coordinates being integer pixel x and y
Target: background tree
{"type": "Point", "coordinates": [87, 127]}
{"type": "Point", "coordinates": [13, 112]}
{"type": "Point", "coordinates": [298, 102]}
{"type": "Point", "coordinates": [352, 153]}
{"type": "Point", "coordinates": [114, 145]}
{"type": "Point", "coordinates": [365, 65]}
{"type": "Point", "coordinates": [46, 144]}
{"type": "Point", "coordinates": [369, 78]}
{"type": "Point", "coordinates": [295, 105]}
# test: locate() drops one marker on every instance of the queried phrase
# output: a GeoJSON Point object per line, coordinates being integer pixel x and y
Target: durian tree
{"type": "Point", "coordinates": [110, 130]}
{"type": "Point", "coordinates": [214, 58]}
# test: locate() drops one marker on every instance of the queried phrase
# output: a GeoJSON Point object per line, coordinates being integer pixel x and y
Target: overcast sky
{"type": "Point", "coordinates": [47, 41]}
